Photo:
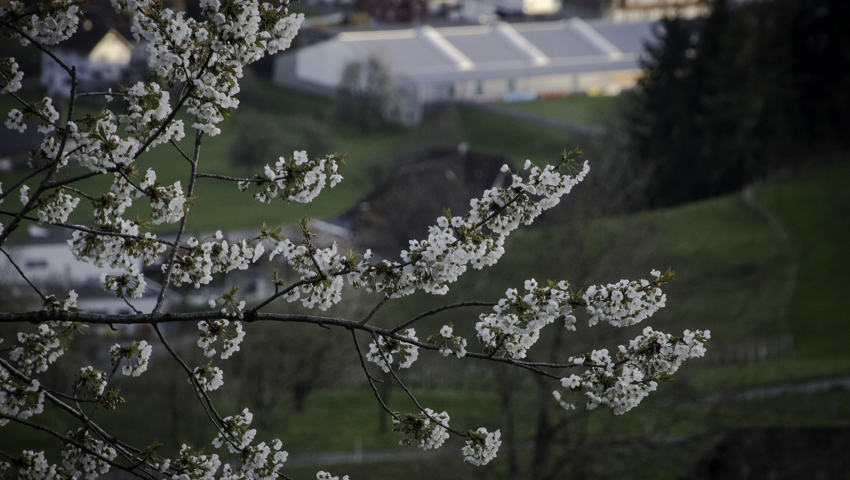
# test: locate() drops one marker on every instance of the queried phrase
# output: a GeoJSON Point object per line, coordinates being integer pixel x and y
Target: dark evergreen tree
{"type": "Point", "coordinates": [749, 91]}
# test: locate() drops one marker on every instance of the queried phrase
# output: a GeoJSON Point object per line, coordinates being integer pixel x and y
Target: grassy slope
{"type": "Point", "coordinates": [580, 109]}
{"type": "Point", "coordinates": [813, 208]}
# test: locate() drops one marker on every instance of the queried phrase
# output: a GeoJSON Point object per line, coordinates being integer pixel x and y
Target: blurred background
{"type": "Point", "coordinates": [717, 134]}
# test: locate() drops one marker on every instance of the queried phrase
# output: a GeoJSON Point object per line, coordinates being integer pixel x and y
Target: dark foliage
{"type": "Point", "coordinates": [741, 95]}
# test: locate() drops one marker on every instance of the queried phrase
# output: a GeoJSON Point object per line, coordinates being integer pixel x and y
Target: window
{"type": "Point", "coordinates": [36, 264]}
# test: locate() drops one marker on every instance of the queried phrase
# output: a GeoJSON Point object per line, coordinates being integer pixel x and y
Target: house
{"type": "Point", "coordinates": [102, 55]}
{"type": "Point", "coordinates": [43, 255]}
{"type": "Point", "coordinates": [495, 62]}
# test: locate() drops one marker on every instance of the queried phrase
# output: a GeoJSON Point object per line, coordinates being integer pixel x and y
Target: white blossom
{"type": "Point", "coordinates": [136, 355]}
{"type": "Point", "coordinates": [322, 475]}
{"type": "Point", "coordinates": [481, 446]}
{"type": "Point", "coordinates": [623, 385]}
{"type": "Point", "coordinates": [10, 76]}
{"type": "Point", "coordinates": [79, 462]}
{"type": "Point", "coordinates": [37, 350]}
{"type": "Point", "coordinates": [19, 400]}
{"type": "Point", "coordinates": [427, 430]}
{"type": "Point", "coordinates": [16, 121]}
{"type": "Point", "coordinates": [381, 352]}
{"type": "Point", "coordinates": [623, 303]}
{"type": "Point", "coordinates": [231, 335]}
{"type": "Point", "coordinates": [56, 208]}
{"type": "Point", "coordinates": [209, 378]}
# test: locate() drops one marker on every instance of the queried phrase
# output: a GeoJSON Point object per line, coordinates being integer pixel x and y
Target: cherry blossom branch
{"type": "Point", "coordinates": [410, 394]}
{"type": "Point", "coordinates": [30, 109]}
{"type": "Point", "coordinates": [52, 396]}
{"type": "Point", "coordinates": [85, 229]}
{"type": "Point", "coordinates": [20, 182]}
{"type": "Point", "coordinates": [170, 269]}
{"type": "Point", "coordinates": [371, 379]}
{"type": "Point", "coordinates": [39, 46]}
{"type": "Point", "coordinates": [206, 402]}
{"type": "Point", "coordinates": [105, 319]}
{"type": "Point", "coordinates": [440, 309]}
{"type": "Point", "coordinates": [71, 441]}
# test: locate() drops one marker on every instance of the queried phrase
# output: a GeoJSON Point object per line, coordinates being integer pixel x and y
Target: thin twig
{"type": "Point", "coordinates": [40, 47]}
{"type": "Point", "coordinates": [409, 393]}
{"type": "Point", "coordinates": [440, 309]}
{"type": "Point", "coordinates": [205, 400]}
{"type": "Point", "coordinates": [172, 142]}
{"type": "Point", "coordinates": [82, 228]}
{"type": "Point", "coordinates": [372, 313]}
{"type": "Point", "coordinates": [104, 319]}
{"type": "Point", "coordinates": [71, 441]}
{"type": "Point", "coordinates": [23, 275]}
{"type": "Point", "coordinates": [371, 380]}
{"type": "Point", "coordinates": [166, 282]}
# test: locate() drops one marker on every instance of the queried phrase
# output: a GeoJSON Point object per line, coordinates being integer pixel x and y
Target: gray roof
{"type": "Point", "coordinates": [427, 55]}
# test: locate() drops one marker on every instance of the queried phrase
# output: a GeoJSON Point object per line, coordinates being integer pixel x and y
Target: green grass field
{"type": "Point", "coordinates": [577, 109]}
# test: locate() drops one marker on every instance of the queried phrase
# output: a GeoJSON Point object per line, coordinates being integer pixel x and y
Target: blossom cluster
{"type": "Point", "coordinates": [166, 202]}
{"type": "Point", "coordinates": [30, 466]}
{"type": "Point", "coordinates": [235, 432]}
{"type": "Point", "coordinates": [298, 179]}
{"type": "Point", "coordinates": [136, 354]}
{"type": "Point", "coordinates": [119, 246]}
{"type": "Point", "coordinates": [202, 260]}
{"type": "Point", "coordinates": [91, 462]}
{"type": "Point", "coordinates": [68, 305]}
{"type": "Point", "coordinates": [231, 335]}
{"type": "Point", "coordinates": [456, 242]}
{"type": "Point", "coordinates": [622, 385]}
{"type": "Point", "coordinates": [56, 207]}
{"type": "Point", "coordinates": [322, 475]}
{"type": "Point", "coordinates": [50, 23]}
{"type": "Point", "coordinates": [90, 380]}
{"type": "Point", "coordinates": [261, 462]}
{"type": "Point", "coordinates": [17, 400]}
{"type": "Point", "coordinates": [99, 146]}
{"type": "Point", "coordinates": [481, 446]}
{"type": "Point", "coordinates": [623, 303]}
{"type": "Point", "coordinates": [381, 351]}
{"type": "Point", "coordinates": [208, 378]}
{"type": "Point", "coordinates": [147, 107]}
{"type": "Point", "coordinates": [130, 284]}
{"type": "Point", "coordinates": [313, 264]}
{"type": "Point", "coordinates": [209, 54]}
{"type": "Point", "coordinates": [10, 76]}
{"type": "Point", "coordinates": [427, 430]}
{"type": "Point", "coordinates": [515, 324]}
{"type": "Point", "coordinates": [195, 465]}
{"type": "Point", "coordinates": [449, 343]}
{"type": "Point", "coordinates": [37, 350]}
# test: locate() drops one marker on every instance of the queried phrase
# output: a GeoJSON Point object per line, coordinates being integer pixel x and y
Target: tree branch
{"type": "Point", "coordinates": [24, 275]}
{"type": "Point", "coordinates": [440, 309]}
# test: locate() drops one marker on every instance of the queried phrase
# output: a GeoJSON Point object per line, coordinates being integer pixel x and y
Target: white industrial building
{"type": "Point", "coordinates": [493, 62]}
